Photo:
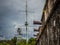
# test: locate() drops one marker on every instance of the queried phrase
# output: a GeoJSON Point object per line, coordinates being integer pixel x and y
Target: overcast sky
{"type": "Point", "coordinates": [12, 16]}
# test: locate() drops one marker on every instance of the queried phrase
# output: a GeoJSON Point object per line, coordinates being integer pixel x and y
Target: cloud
{"type": "Point", "coordinates": [12, 16]}
{"type": "Point", "coordinates": [2, 38]}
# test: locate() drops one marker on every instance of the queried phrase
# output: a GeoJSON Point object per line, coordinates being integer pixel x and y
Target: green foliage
{"type": "Point", "coordinates": [1, 44]}
{"type": "Point", "coordinates": [21, 42]}
{"type": "Point", "coordinates": [31, 41]}
{"type": "Point", "coordinates": [14, 41]}
{"type": "Point", "coordinates": [4, 43]}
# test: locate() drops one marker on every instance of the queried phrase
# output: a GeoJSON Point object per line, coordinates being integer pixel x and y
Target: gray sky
{"type": "Point", "coordinates": [12, 16]}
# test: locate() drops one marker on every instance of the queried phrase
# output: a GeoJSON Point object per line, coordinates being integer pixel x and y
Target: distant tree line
{"type": "Point", "coordinates": [14, 41]}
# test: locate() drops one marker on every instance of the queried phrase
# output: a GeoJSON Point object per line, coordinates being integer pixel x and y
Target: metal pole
{"type": "Point", "coordinates": [26, 24]}
{"type": "Point", "coordinates": [26, 33]}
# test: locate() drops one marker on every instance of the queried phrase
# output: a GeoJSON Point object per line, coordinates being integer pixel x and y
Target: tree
{"type": "Point", "coordinates": [32, 41]}
{"type": "Point", "coordinates": [14, 40]}
{"type": "Point", "coordinates": [21, 42]}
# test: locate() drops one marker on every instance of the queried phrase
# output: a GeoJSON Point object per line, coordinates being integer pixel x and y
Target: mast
{"type": "Point", "coordinates": [26, 24]}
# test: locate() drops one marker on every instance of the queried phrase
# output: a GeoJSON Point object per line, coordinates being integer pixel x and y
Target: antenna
{"type": "Point", "coordinates": [26, 24]}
